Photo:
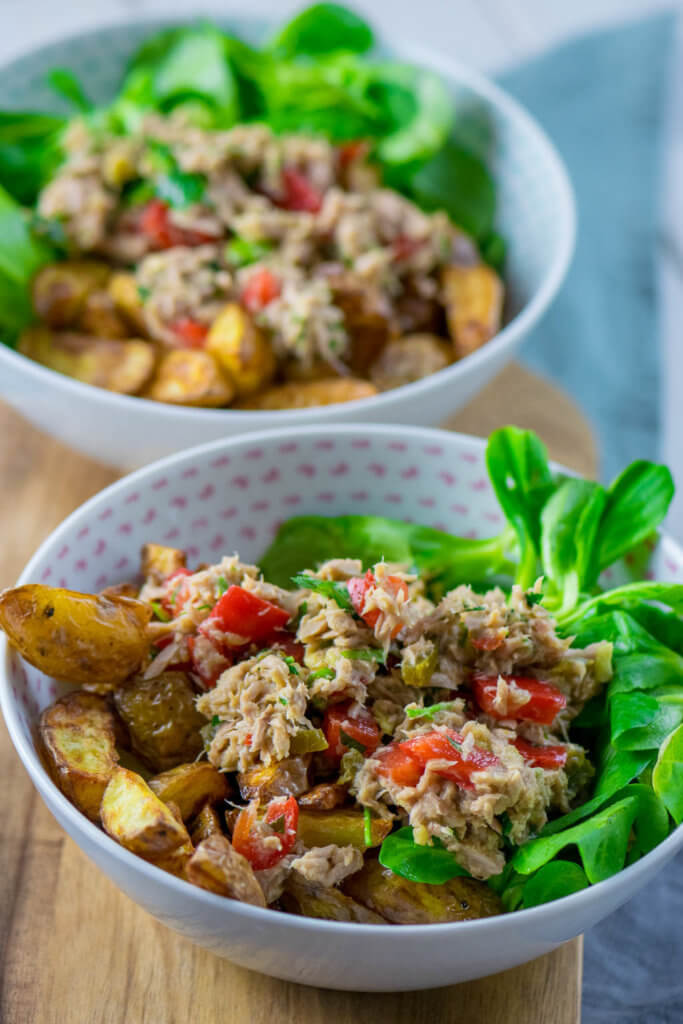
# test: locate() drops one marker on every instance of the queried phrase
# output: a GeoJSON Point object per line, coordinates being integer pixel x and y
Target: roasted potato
{"type": "Point", "coordinates": [190, 377]}
{"type": "Point", "coordinates": [61, 289]}
{"type": "Point", "coordinates": [99, 317]}
{"type": "Point", "coordinates": [306, 394]}
{"type": "Point", "coordinates": [324, 797]}
{"type": "Point", "coordinates": [345, 827]}
{"type": "Point", "coordinates": [136, 818]}
{"type": "Point", "coordinates": [310, 900]}
{"type": "Point", "coordinates": [284, 778]}
{"type": "Point", "coordinates": [157, 562]}
{"type": "Point", "coordinates": [78, 737]}
{"type": "Point", "coordinates": [473, 297]}
{"type": "Point", "coordinates": [368, 327]}
{"type": "Point", "coordinates": [404, 902]}
{"type": "Point", "coordinates": [241, 349]}
{"type": "Point", "coordinates": [123, 290]}
{"type": "Point", "coordinates": [190, 786]}
{"type": "Point", "coordinates": [410, 358]}
{"type": "Point", "coordinates": [121, 590]}
{"type": "Point", "coordinates": [216, 866]}
{"type": "Point", "coordinates": [110, 363]}
{"type": "Point", "coordinates": [162, 720]}
{"type": "Point", "coordinates": [207, 823]}
{"type": "Point", "coordinates": [89, 639]}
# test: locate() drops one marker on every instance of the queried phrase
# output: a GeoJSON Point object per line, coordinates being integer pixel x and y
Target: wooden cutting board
{"type": "Point", "coordinates": [75, 950]}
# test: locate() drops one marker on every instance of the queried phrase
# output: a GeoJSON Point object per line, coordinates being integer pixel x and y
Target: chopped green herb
{"type": "Point", "coordinates": [278, 825]}
{"type": "Point", "coordinates": [348, 741]}
{"type": "Point", "coordinates": [367, 826]}
{"type": "Point", "coordinates": [533, 597]}
{"type": "Point", "coordinates": [215, 721]}
{"type": "Point", "coordinates": [221, 585]}
{"type": "Point", "coordinates": [179, 189]}
{"type": "Point", "coordinates": [291, 664]}
{"type": "Point", "coordinates": [454, 744]}
{"type": "Point", "coordinates": [366, 654]}
{"type": "Point", "coordinates": [322, 673]}
{"type": "Point", "coordinates": [283, 700]}
{"type": "Point", "coordinates": [446, 705]}
{"type": "Point", "coordinates": [143, 292]}
{"type": "Point", "coordinates": [205, 607]}
{"type": "Point", "coordinates": [338, 592]}
{"type": "Point", "coordinates": [240, 252]}
{"type": "Point", "coordinates": [160, 612]}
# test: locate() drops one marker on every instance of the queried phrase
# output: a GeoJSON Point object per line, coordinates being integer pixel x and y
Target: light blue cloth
{"type": "Point", "coordinates": [601, 100]}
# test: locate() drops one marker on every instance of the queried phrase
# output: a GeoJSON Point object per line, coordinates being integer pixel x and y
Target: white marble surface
{"type": "Point", "coordinates": [490, 34]}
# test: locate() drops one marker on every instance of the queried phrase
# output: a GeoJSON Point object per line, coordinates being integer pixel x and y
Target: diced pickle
{"type": "Point", "coordinates": [420, 672]}
{"type": "Point", "coordinates": [308, 741]}
{"type": "Point", "coordinates": [344, 827]}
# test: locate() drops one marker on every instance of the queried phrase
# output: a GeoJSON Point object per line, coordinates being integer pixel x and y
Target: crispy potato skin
{"type": "Point", "coordinates": [326, 796]}
{"type": "Point", "coordinates": [89, 639]}
{"type": "Point", "coordinates": [307, 394]}
{"type": "Point", "coordinates": [190, 786]}
{"type": "Point", "coordinates": [162, 720]}
{"type": "Point", "coordinates": [124, 366]}
{"type": "Point", "coordinates": [216, 866]}
{"type": "Point", "coordinates": [473, 296]}
{"type": "Point", "coordinates": [190, 377]}
{"type": "Point", "coordinates": [78, 736]}
{"type": "Point", "coordinates": [369, 329]}
{"type": "Point", "coordinates": [136, 818]}
{"type": "Point", "coordinates": [207, 823]}
{"type": "Point", "coordinates": [241, 349]}
{"type": "Point", "coordinates": [343, 827]}
{"type": "Point", "coordinates": [284, 778]}
{"type": "Point", "coordinates": [309, 900]}
{"type": "Point", "coordinates": [410, 358]}
{"type": "Point", "coordinates": [123, 291]}
{"type": "Point", "coordinates": [100, 317]}
{"type": "Point", "coordinates": [404, 902]}
{"type": "Point", "coordinates": [61, 289]}
{"type": "Point", "coordinates": [121, 590]}
{"type": "Point", "coordinates": [157, 561]}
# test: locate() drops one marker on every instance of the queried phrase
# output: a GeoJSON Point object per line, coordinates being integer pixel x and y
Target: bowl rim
{"type": "Point", "coordinates": [453, 71]}
{"type": "Point", "coordinates": [52, 794]}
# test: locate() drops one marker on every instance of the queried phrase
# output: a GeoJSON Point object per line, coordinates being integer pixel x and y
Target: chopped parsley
{"type": "Point", "coordinates": [283, 700]}
{"type": "Point", "coordinates": [215, 721]}
{"type": "Point", "coordinates": [533, 597]}
{"type": "Point", "coordinates": [143, 293]}
{"type": "Point", "coordinates": [160, 612]}
{"type": "Point", "coordinates": [221, 585]}
{"type": "Point", "coordinates": [446, 705]}
{"type": "Point", "coordinates": [333, 589]}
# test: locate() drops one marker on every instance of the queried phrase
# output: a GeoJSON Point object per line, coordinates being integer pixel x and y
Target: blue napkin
{"type": "Point", "coordinates": [601, 99]}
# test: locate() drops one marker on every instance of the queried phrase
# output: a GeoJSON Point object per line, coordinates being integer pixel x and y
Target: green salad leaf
{"type": "Point", "coordinates": [339, 592]}
{"type": "Point", "coordinates": [431, 864]}
{"type": "Point", "coordinates": [667, 777]}
{"type": "Point", "coordinates": [556, 879]}
{"type": "Point", "coordinates": [22, 254]}
{"type": "Point", "coordinates": [67, 85]}
{"type": "Point", "coordinates": [320, 29]}
{"type": "Point", "coordinates": [29, 152]}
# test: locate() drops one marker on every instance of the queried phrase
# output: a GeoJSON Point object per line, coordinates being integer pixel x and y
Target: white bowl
{"type": "Point", "coordinates": [535, 214]}
{"type": "Point", "coordinates": [231, 495]}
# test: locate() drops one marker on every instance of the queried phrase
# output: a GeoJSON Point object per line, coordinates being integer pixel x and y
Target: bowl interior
{"type": "Point", "coordinates": [232, 495]}
{"type": "Point", "coordinates": [535, 210]}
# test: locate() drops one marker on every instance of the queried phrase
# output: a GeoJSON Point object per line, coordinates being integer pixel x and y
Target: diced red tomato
{"type": "Point", "coordinates": [283, 816]}
{"type": "Point", "coordinates": [239, 611]}
{"type": "Point", "coordinates": [541, 757]}
{"type": "Point", "coordinates": [350, 151]}
{"type": "Point", "coordinates": [261, 288]}
{"type": "Point", "coordinates": [361, 586]}
{"type": "Point", "coordinates": [198, 666]}
{"type": "Point", "coordinates": [299, 193]}
{"type": "Point", "coordinates": [361, 728]}
{"type": "Point", "coordinates": [176, 591]}
{"type": "Point", "coordinates": [163, 233]}
{"type": "Point", "coordinates": [545, 701]}
{"type": "Point", "coordinates": [191, 332]}
{"type": "Point", "coordinates": [287, 644]}
{"type": "Point", "coordinates": [405, 762]}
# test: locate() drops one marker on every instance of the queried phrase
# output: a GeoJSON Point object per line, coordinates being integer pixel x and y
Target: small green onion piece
{"type": "Point", "coordinates": [291, 664]}
{"type": "Point", "coordinates": [452, 742]}
{"type": "Point", "coordinates": [322, 673]}
{"type": "Point", "coordinates": [348, 741]}
{"type": "Point", "coordinates": [365, 654]}
{"type": "Point", "coordinates": [367, 826]}
{"type": "Point", "coordinates": [205, 607]}
{"type": "Point", "coordinates": [160, 612]}
{"type": "Point", "coordinates": [283, 700]}
{"type": "Point", "coordinates": [446, 705]}
{"type": "Point", "coordinates": [221, 585]}
{"type": "Point", "coordinates": [215, 721]}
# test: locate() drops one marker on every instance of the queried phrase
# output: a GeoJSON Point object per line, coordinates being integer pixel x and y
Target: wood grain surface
{"type": "Point", "coordinates": [74, 950]}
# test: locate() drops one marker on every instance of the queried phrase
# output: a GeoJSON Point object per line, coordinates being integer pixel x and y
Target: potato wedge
{"type": "Point", "coordinates": [473, 297]}
{"type": "Point", "coordinates": [404, 902]}
{"type": "Point", "coordinates": [369, 329]}
{"type": "Point", "coordinates": [157, 562]}
{"type": "Point", "coordinates": [190, 786]}
{"type": "Point", "coordinates": [344, 827]}
{"type": "Point", "coordinates": [136, 818]}
{"type": "Point", "coordinates": [121, 590]}
{"type": "Point", "coordinates": [100, 317]}
{"type": "Point", "coordinates": [61, 289]}
{"type": "Point", "coordinates": [190, 377]}
{"type": "Point", "coordinates": [162, 720]}
{"type": "Point", "coordinates": [78, 735]}
{"type": "Point", "coordinates": [241, 349]}
{"type": "Point", "coordinates": [326, 796]}
{"type": "Point", "coordinates": [110, 363]}
{"type": "Point", "coordinates": [80, 638]}
{"type": "Point", "coordinates": [207, 823]}
{"type": "Point", "coordinates": [310, 900]}
{"type": "Point", "coordinates": [216, 866]}
{"type": "Point", "coordinates": [410, 358]}
{"type": "Point", "coordinates": [285, 778]}
{"type": "Point", "coordinates": [307, 394]}
{"type": "Point", "coordinates": [123, 290]}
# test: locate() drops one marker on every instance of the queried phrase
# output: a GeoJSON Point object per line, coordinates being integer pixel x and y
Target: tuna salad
{"type": "Point", "coordinates": [200, 256]}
